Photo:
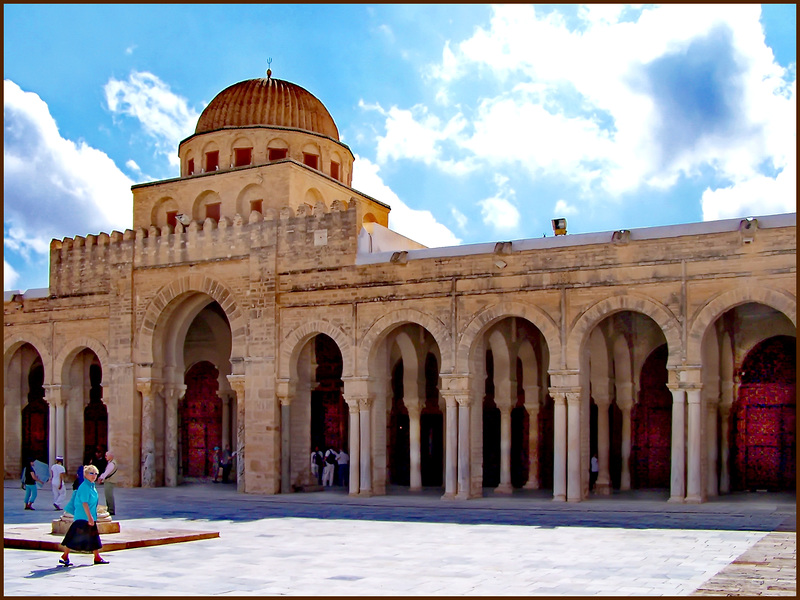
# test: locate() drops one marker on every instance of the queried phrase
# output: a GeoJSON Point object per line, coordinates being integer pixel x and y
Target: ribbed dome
{"type": "Point", "coordinates": [267, 102]}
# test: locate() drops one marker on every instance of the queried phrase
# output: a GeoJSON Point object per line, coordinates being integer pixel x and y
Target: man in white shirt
{"type": "Point", "coordinates": [108, 486]}
{"type": "Point", "coordinates": [343, 459]}
{"type": "Point", "coordinates": [57, 476]}
{"type": "Point", "coordinates": [330, 467]}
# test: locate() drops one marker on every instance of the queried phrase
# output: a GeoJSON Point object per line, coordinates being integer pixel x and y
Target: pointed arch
{"type": "Point", "coordinates": [161, 308]}
{"type": "Point", "coordinates": [662, 316]}
{"type": "Point", "coordinates": [294, 341]}
{"type": "Point", "coordinates": [14, 341]}
{"type": "Point", "coordinates": [384, 324]}
{"type": "Point", "coordinates": [490, 314]}
{"type": "Point", "coordinates": [780, 300]}
{"type": "Point", "coordinates": [69, 352]}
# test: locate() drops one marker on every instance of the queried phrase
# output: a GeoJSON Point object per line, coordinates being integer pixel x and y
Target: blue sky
{"type": "Point", "coordinates": [474, 122]}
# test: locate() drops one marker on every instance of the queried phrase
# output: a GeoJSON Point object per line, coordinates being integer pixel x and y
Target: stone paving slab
{"type": "Point", "coordinates": [330, 544]}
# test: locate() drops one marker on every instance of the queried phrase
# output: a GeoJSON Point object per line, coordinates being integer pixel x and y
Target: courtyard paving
{"type": "Point", "coordinates": [329, 544]}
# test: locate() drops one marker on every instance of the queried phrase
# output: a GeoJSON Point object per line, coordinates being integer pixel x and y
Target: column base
{"type": "Point", "coordinates": [603, 489]}
{"type": "Point", "coordinates": [462, 496]}
{"type": "Point", "coordinates": [676, 499]}
{"type": "Point", "coordinates": [415, 488]}
{"type": "Point", "coordinates": [573, 499]}
{"type": "Point", "coordinates": [503, 488]}
{"type": "Point", "coordinates": [365, 494]}
{"type": "Point", "coordinates": [560, 498]}
{"type": "Point", "coordinates": [694, 500]}
{"type": "Point", "coordinates": [531, 485]}
{"type": "Point", "coordinates": [448, 496]}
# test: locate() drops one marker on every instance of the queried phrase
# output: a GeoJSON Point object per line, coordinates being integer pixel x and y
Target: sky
{"type": "Point", "coordinates": [475, 123]}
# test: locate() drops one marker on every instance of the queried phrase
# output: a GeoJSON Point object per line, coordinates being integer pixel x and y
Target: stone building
{"type": "Point", "coordinates": [261, 302]}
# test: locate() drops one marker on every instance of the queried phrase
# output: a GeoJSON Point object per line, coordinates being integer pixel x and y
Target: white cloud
{"type": "Point", "coordinates": [499, 213]}
{"type": "Point", "coordinates": [10, 276]}
{"type": "Point", "coordinates": [418, 225]}
{"type": "Point", "coordinates": [164, 116]}
{"type": "Point", "coordinates": [563, 208]}
{"type": "Point", "coordinates": [130, 49]}
{"type": "Point", "coordinates": [759, 195]}
{"type": "Point", "coordinates": [54, 187]}
{"type": "Point", "coordinates": [700, 92]}
{"type": "Point", "coordinates": [460, 218]}
{"type": "Point", "coordinates": [131, 164]}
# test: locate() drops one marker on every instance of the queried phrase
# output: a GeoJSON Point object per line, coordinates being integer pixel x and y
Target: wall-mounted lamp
{"type": "Point", "coordinates": [747, 229]}
{"type": "Point", "coordinates": [399, 258]}
{"type": "Point", "coordinates": [559, 226]}
{"type": "Point", "coordinates": [622, 236]}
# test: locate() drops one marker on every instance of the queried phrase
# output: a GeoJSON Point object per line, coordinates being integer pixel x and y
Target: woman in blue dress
{"type": "Point", "coordinates": [83, 535]}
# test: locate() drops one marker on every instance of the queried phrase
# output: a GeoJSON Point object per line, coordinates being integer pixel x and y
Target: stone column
{"type": "Point", "coordinates": [678, 457]}
{"type": "Point", "coordinates": [451, 447]}
{"type": "Point", "coordinates": [504, 486]}
{"type": "Point", "coordinates": [625, 474]}
{"type": "Point", "coordinates": [463, 447]}
{"type": "Point", "coordinates": [355, 438]}
{"type": "Point", "coordinates": [712, 447]}
{"type": "Point", "coordinates": [414, 410]}
{"type": "Point", "coordinates": [286, 440]}
{"type": "Point", "coordinates": [238, 384]}
{"type": "Point", "coordinates": [51, 431]}
{"type": "Point", "coordinates": [57, 400]}
{"type": "Point", "coordinates": [694, 487]}
{"type": "Point", "coordinates": [172, 394]}
{"type": "Point", "coordinates": [724, 449]}
{"type": "Point", "coordinates": [603, 483]}
{"type": "Point", "coordinates": [365, 421]}
{"type": "Point", "coordinates": [226, 419]}
{"type": "Point", "coordinates": [574, 447]}
{"type": "Point", "coordinates": [148, 388]}
{"type": "Point", "coordinates": [532, 407]}
{"type": "Point", "coordinates": [560, 443]}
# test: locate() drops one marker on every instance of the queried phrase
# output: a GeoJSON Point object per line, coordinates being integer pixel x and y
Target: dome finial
{"type": "Point", "coordinates": [269, 71]}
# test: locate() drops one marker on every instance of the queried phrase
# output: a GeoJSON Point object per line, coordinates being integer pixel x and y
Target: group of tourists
{"type": "Point", "coordinates": [330, 466]}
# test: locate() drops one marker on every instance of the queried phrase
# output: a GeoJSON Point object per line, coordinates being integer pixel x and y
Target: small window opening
{"type": "Point", "coordinates": [334, 169]}
{"type": "Point", "coordinates": [312, 160]}
{"type": "Point", "coordinates": [190, 167]}
{"type": "Point", "coordinates": [255, 205]}
{"type": "Point", "coordinates": [212, 211]}
{"type": "Point", "coordinates": [278, 153]}
{"type": "Point", "coordinates": [212, 161]}
{"type": "Point", "coordinates": [242, 156]}
{"type": "Point", "coordinates": [172, 218]}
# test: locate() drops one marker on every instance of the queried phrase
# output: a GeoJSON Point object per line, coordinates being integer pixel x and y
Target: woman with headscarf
{"type": "Point", "coordinates": [83, 535]}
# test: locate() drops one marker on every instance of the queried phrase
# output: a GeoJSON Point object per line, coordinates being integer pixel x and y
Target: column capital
{"type": "Point", "coordinates": [449, 398]}
{"type": "Point", "coordinates": [173, 392]}
{"type": "Point", "coordinates": [603, 401]}
{"type": "Point", "coordinates": [285, 388]}
{"type": "Point", "coordinates": [463, 399]}
{"type": "Point", "coordinates": [54, 394]}
{"type": "Point", "coordinates": [414, 409]}
{"type": "Point", "coordinates": [573, 398]}
{"type": "Point", "coordinates": [149, 387]}
{"type": "Point", "coordinates": [238, 384]}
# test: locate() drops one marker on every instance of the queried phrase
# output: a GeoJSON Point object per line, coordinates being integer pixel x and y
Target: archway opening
{"type": "Point", "coordinates": [398, 464]}
{"type": "Point", "coordinates": [763, 418]}
{"type": "Point", "coordinates": [95, 413]}
{"type": "Point", "coordinates": [201, 417]}
{"type": "Point", "coordinates": [329, 413]}
{"type": "Point", "coordinates": [35, 417]}
{"type": "Point", "coordinates": [432, 428]}
{"type": "Point", "coordinates": [652, 425]}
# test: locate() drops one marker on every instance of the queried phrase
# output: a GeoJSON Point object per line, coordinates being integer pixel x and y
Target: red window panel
{"type": "Point", "coordinates": [278, 153]}
{"type": "Point", "coordinates": [255, 205]}
{"type": "Point", "coordinates": [242, 156]}
{"type": "Point", "coordinates": [212, 211]}
{"type": "Point", "coordinates": [212, 161]}
{"type": "Point", "coordinates": [172, 218]}
{"type": "Point", "coordinates": [190, 167]}
{"type": "Point", "coordinates": [334, 169]}
{"type": "Point", "coordinates": [312, 160]}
